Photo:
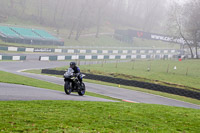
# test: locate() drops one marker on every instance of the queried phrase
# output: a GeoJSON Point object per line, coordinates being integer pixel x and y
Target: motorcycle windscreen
{"type": "Point", "coordinates": [69, 72]}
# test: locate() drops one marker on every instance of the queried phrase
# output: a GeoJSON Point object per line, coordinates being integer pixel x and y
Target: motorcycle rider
{"type": "Point", "coordinates": [77, 71]}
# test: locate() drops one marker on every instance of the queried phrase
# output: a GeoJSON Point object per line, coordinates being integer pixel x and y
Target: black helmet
{"type": "Point", "coordinates": [72, 64]}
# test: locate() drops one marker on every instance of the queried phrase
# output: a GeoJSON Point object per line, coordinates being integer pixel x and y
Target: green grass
{"type": "Point", "coordinates": [25, 45]}
{"type": "Point", "coordinates": [138, 42]}
{"type": "Point", "coordinates": [181, 98]}
{"type": "Point", "coordinates": [75, 116]}
{"type": "Point", "coordinates": [6, 77]}
{"type": "Point", "coordinates": [102, 41]}
{"type": "Point", "coordinates": [137, 70]}
{"type": "Point", "coordinates": [109, 41]}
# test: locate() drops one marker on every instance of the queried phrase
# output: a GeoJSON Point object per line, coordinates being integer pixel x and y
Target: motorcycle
{"type": "Point", "coordinates": [72, 83]}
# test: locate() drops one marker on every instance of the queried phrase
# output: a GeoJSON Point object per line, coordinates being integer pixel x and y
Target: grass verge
{"type": "Point", "coordinates": [75, 116]}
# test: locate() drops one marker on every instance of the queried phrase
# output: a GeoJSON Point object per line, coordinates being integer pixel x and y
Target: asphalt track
{"type": "Point", "coordinates": [10, 92]}
{"type": "Point", "coordinates": [115, 92]}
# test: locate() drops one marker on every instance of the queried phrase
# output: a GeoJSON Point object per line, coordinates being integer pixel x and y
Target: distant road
{"type": "Point", "coordinates": [115, 92]}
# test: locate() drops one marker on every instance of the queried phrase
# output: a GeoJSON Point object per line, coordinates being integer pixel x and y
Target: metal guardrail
{"type": "Point", "coordinates": [14, 58]}
{"type": "Point", "coordinates": [74, 50]}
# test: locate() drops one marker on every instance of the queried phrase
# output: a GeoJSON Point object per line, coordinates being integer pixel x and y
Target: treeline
{"type": "Point", "coordinates": [79, 15]}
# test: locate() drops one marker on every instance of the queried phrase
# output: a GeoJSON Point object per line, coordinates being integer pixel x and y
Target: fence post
{"type": "Point", "coordinates": [116, 64]}
{"type": "Point", "coordinates": [102, 63]}
{"type": "Point", "coordinates": [187, 71]}
{"type": "Point", "coordinates": [133, 65]}
{"type": "Point", "coordinates": [149, 68]}
{"type": "Point", "coordinates": [168, 68]}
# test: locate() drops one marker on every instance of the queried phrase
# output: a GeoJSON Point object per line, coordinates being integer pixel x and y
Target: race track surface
{"type": "Point", "coordinates": [120, 93]}
{"type": "Point", "coordinates": [10, 92]}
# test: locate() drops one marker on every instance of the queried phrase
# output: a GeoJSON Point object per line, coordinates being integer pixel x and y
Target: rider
{"type": "Point", "coordinates": [77, 71]}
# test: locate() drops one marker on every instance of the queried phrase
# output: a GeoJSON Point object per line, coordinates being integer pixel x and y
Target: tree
{"type": "Point", "coordinates": [192, 22]}
{"type": "Point", "coordinates": [55, 12]}
{"type": "Point", "coordinates": [40, 11]}
{"type": "Point", "coordinates": [78, 20]}
{"type": "Point", "coordinates": [101, 5]}
{"type": "Point", "coordinates": [184, 20]}
{"type": "Point", "coordinates": [64, 8]}
{"type": "Point", "coordinates": [78, 16]}
{"type": "Point", "coordinates": [22, 4]}
{"type": "Point", "coordinates": [153, 15]}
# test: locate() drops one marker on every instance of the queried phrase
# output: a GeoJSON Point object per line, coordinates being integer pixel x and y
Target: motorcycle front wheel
{"type": "Point", "coordinates": [82, 90]}
{"type": "Point", "coordinates": [67, 88]}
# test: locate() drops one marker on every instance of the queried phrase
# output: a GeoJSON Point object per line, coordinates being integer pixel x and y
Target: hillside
{"type": "Point", "coordinates": [80, 19]}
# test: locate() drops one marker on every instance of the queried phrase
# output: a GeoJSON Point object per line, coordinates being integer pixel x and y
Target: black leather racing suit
{"type": "Point", "coordinates": [77, 71]}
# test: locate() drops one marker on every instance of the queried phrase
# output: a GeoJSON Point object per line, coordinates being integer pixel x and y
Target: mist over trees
{"type": "Point", "coordinates": [79, 15]}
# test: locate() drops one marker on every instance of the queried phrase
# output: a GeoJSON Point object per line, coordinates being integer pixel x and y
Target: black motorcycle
{"type": "Point", "coordinates": [72, 84]}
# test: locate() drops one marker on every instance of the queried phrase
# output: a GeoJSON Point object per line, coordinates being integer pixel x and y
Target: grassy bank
{"type": "Point", "coordinates": [74, 116]}
{"type": "Point", "coordinates": [88, 41]}
{"type": "Point", "coordinates": [101, 42]}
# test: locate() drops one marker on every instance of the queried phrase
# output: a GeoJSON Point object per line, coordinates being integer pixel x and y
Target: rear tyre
{"type": "Point", "coordinates": [67, 88]}
{"type": "Point", "coordinates": [82, 90]}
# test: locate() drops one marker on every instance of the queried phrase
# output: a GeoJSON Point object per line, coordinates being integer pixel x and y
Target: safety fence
{"type": "Point", "coordinates": [89, 51]}
{"type": "Point", "coordinates": [145, 85]}
{"type": "Point", "coordinates": [14, 58]}
{"type": "Point", "coordinates": [104, 57]}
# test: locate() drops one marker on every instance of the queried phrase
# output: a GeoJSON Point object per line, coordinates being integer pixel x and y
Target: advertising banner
{"type": "Point", "coordinates": [151, 36]}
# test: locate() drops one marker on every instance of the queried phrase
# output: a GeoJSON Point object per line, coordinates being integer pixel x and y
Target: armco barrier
{"type": "Point", "coordinates": [145, 85]}
{"type": "Point", "coordinates": [89, 51]}
{"type": "Point", "coordinates": [103, 57]}
{"type": "Point", "coordinates": [14, 58]}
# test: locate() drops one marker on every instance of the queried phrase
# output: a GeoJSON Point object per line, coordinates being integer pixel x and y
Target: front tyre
{"type": "Point", "coordinates": [67, 88]}
{"type": "Point", "coordinates": [82, 90]}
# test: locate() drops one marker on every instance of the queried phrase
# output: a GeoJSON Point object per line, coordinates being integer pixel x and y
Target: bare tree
{"type": "Point", "coordinates": [55, 11]}
{"type": "Point", "coordinates": [151, 13]}
{"type": "Point", "coordinates": [101, 5]}
{"type": "Point", "coordinates": [64, 8]}
{"type": "Point", "coordinates": [81, 19]}
{"type": "Point", "coordinates": [77, 21]}
{"type": "Point", "coordinates": [192, 22]}
{"type": "Point", "coordinates": [22, 4]}
{"type": "Point", "coordinates": [40, 11]}
{"type": "Point", "coordinates": [187, 23]}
